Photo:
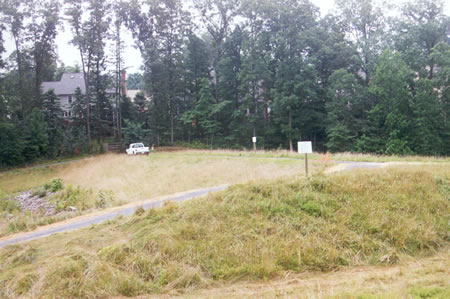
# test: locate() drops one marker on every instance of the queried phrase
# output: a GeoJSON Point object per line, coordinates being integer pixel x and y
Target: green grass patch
{"type": "Point", "coordinates": [260, 231]}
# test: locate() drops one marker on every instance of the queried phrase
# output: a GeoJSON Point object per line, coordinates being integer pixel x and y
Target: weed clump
{"type": "Point", "coordinates": [54, 185]}
{"type": "Point", "coordinates": [9, 205]}
{"type": "Point", "coordinates": [24, 284]}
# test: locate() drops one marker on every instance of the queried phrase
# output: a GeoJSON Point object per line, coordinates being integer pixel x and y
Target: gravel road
{"type": "Point", "coordinates": [87, 220]}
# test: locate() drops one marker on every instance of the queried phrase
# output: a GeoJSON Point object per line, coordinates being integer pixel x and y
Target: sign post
{"type": "Point", "coordinates": [254, 143]}
{"type": "Point", "coordinates": [305, 147]}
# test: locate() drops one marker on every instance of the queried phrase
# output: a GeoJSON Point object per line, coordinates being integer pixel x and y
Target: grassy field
{"type": "Point", "coordinates": [112, 180]}
{"type": "Point", "coordinates": [140, 177]}
{"type": "Point", "coordinates": [356, 157]}
{"type": "Point", "coordinates": [257, 234]}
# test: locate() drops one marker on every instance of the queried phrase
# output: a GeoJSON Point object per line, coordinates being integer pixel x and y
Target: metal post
{"type": "Point", "coordinates": [254, 147]}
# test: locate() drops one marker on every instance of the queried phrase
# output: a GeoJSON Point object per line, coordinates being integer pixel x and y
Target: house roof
{"type": "Point", "coordinates": [67, 85]}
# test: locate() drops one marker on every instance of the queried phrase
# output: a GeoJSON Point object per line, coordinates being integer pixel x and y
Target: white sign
{"type": "Point", "coordinates": [254, 139]}
{"type": "Point", "coordinates": [304, 147]}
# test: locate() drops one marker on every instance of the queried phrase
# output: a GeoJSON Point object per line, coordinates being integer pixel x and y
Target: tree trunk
{"type": "Point", "coordinates": [19, 67]}
{"type": "Point", "coordinates": [291, 148]}
{"type": "Point", "coordinates": [88, 108]}
{"type": "Point", "coordinates": [171, 121]}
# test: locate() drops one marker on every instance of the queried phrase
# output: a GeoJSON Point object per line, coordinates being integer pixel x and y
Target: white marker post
{"type": "Point", "coordinates": [254, 143]}
{"type": "Point", "coordinates": [305, 147]}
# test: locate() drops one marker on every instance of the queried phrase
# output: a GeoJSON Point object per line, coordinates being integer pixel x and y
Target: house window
{"type": "Point", "coordinates": [70, 99]}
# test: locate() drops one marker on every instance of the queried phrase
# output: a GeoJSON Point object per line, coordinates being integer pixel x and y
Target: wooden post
{"type": "Point", "coordinates": [305, 147]}
{"type": "Point", "coordinates": [306, 164]}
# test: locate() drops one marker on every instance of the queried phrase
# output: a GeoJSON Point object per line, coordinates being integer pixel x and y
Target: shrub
{"type": "Point", "coordinates": [56, 185]}
{"type": "Point", "coordinates": [103, 198]}
{"type": "Point", "coordinates": [71, 197]}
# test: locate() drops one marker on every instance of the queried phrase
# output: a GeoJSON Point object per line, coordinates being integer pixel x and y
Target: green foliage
{"type": "Point", "coordinates": [284, 74]}
{"type": "Point", "coordinates": [135, 81]}
{"type": "Point", "coordinates": [134, 132]}
{"type": "Point", "coordinates": [430, 292]}
{"type": "Point", "coordinates": [72, 197]}
{"type": "Point", "coordinates": [54, 185]}
{"type": "Point", "coordinates": [35, 135]}
{"type": "Point", "coordinates": [9, 205]}
{"type": "Point", "coordinates": [11, 145]}
{"type": "Point", "coordinates": [280, 226]}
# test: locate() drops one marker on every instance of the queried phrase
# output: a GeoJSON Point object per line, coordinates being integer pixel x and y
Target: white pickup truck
{"type": "Point", "coordinates": [137, 149]}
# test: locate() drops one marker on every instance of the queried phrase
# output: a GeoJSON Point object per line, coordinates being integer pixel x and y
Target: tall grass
{"type": "Point", "coordinates": [253, 231]}
{"type": "Point", "coordinates": [137, 178]}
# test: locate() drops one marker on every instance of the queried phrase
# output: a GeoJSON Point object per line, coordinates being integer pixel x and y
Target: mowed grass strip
{"type": "Point", "coordinates": [252, 232]}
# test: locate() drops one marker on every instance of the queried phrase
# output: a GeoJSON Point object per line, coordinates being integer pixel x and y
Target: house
{"type": "Point", "coordinates": [65, 90]}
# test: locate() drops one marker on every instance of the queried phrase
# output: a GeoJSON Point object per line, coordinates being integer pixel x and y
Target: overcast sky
{"type": "Point", "coordinates": [69, 55]}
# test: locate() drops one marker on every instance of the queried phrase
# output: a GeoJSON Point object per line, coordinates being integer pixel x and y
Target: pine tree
{"type": "Point", "coordinates": [35, 135]}
{"type": "Point", "coordinates": [53, 118]}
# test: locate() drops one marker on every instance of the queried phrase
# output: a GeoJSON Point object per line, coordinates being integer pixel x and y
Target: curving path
{"type": "Point", "coordinates": [94, 218]}
{"type": "Point", "coordinates": [98, 217]}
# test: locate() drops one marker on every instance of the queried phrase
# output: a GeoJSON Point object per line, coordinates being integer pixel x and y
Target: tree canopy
{"type": "Point", "coordinates": [221, 72]}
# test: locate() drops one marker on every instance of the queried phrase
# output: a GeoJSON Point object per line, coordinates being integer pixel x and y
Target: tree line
{"type": "Point", "coordinates": [364, 78]}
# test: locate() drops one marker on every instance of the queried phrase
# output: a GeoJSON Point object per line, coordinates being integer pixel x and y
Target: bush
{"type": "Point", "coordinates": [71, 198]}
{"type": "Point", "coordinates": [103, 198]}
{"type": "Point", "coordinates": [55, 185]}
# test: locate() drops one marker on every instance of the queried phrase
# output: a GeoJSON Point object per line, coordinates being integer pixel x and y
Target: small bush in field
{"type": "Point", "coordinates": [72, 197]}
{"type": "Point", "coordinates": [55, 185]}
{"type": "Point", "coordinates": [103, 198]}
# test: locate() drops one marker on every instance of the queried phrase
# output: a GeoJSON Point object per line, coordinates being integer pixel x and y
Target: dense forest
{"type": "Point", "coordinates": [368, 77]}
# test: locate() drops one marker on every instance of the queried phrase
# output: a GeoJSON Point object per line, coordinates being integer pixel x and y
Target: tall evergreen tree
{"type": "Point", "coordinates": [53, 118]}
{"type": "Point", "coordinates": [35, 135]}
{"type": "Point", "coordinates": [344, 110]}
{"type": "Point", "coordinates": [391, 130]}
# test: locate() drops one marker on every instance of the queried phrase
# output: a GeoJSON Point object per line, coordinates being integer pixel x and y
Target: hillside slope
{"type": "Point", "coordinates": [249, 232]}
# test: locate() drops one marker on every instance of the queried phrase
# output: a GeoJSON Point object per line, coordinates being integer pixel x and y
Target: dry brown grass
{"type": "Point", "coordinates": [137, 178]}
{"type": "Point", "coordinates": [250, 240]}
{"type": "Point", "coordinates": [412, 279]}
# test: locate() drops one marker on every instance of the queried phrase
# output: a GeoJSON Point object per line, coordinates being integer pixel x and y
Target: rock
{"type": "Point", "coordinates": [72, 209]}
{"type": "Point", "coordinates": [35, 204]}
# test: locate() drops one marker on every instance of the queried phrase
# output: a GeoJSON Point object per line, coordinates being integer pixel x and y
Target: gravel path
{"type": "Point", "coordinates": [87, 220]}
{"type": "Point", "coordinates": [83, 221]}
